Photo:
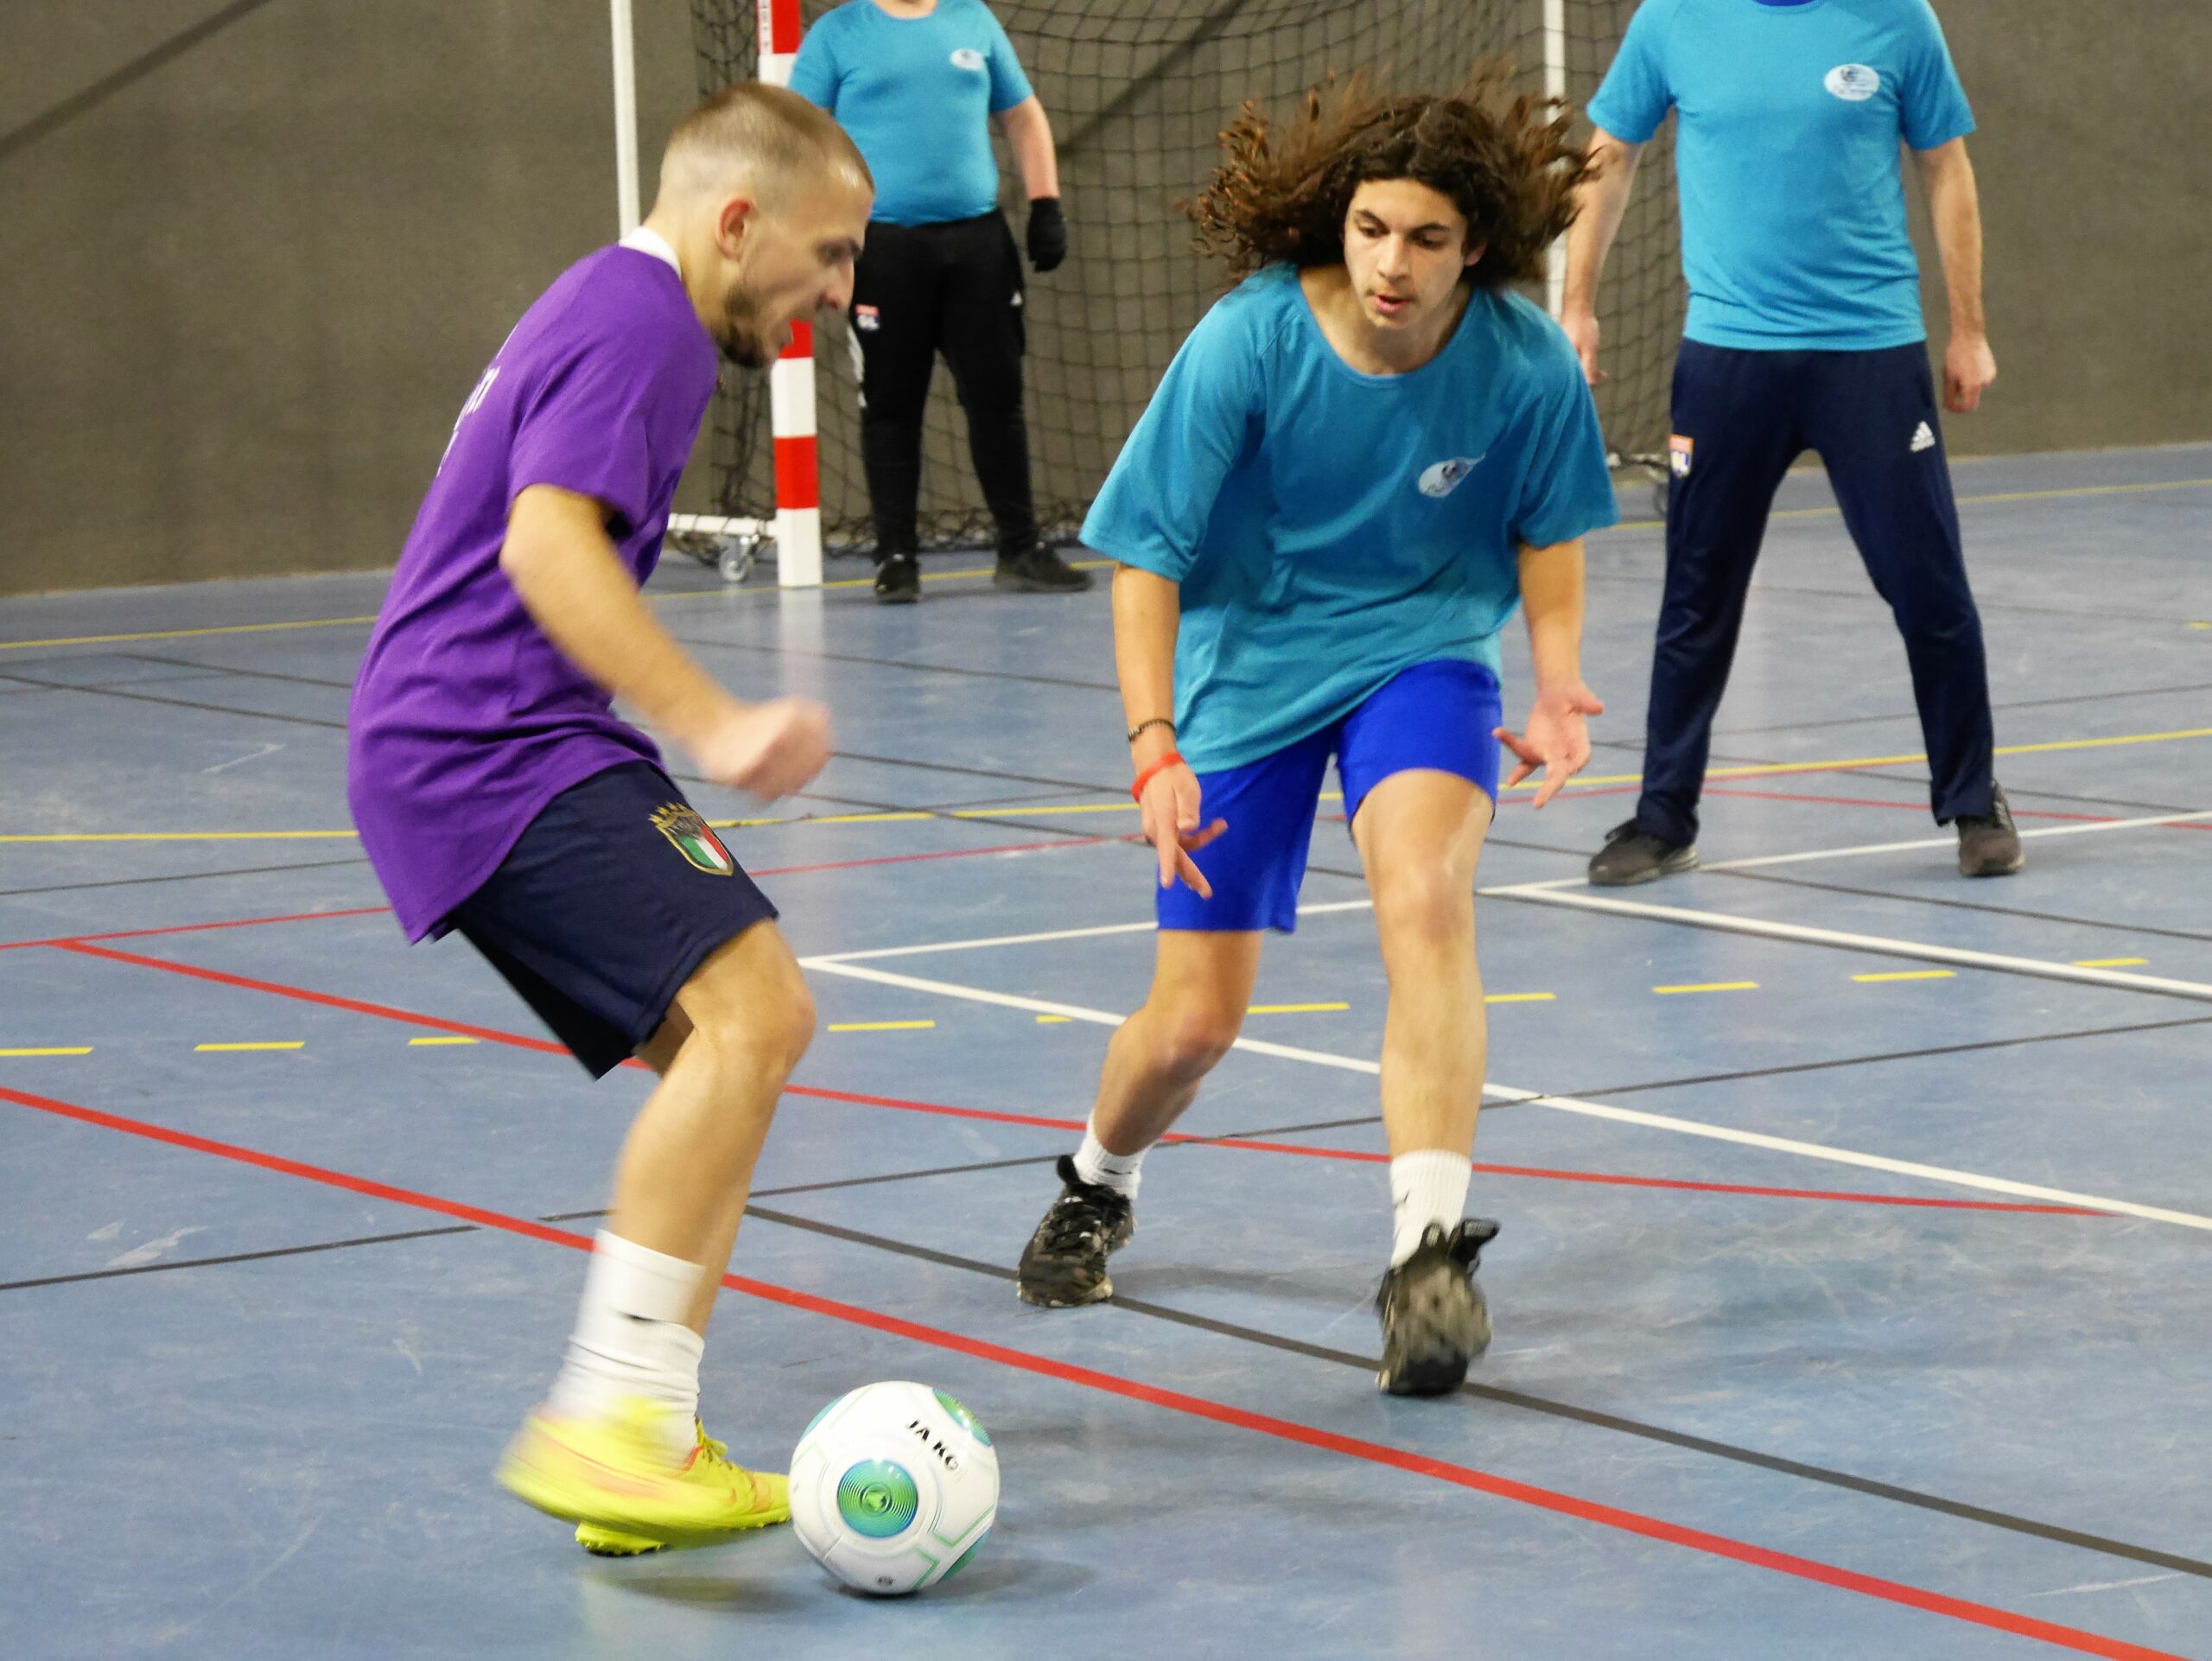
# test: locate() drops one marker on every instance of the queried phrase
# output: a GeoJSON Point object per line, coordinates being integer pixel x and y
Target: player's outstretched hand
{"type": "Point", "coordinates": [767, 749]}
{"type": "Point", "coordinates": [1170, 805]}
{"type": "Point", "coordinates": [1557, 740]}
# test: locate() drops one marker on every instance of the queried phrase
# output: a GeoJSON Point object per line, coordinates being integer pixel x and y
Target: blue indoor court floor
{"type": "Point", "coordinates": [1852, 1299]}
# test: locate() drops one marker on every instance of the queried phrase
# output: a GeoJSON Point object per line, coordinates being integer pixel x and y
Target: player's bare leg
{"type": "Point", "coordinates": [628, 1394]}
{"type": "Point", "coordinates": [1419, 836]}
{"type": "Point", "coordinates": [1201, 987]}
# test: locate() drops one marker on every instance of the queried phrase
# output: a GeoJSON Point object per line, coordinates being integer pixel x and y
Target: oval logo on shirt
{"type": "Point", "coordinates": [1442, 478]}
{"type": "Point", "coordinates": [1854, 83]}
{"type": "Point", "coordinates": [967, 57]}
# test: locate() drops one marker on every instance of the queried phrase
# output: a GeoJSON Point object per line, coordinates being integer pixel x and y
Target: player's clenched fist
{"type": "Point", "coordinates": [766, 749]}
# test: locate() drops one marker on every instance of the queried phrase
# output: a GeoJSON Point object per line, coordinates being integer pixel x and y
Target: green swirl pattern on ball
{"type": "Point", "coordinates": [877, 1499]}
{"type": "Point", "coordinates": [967, 1421]}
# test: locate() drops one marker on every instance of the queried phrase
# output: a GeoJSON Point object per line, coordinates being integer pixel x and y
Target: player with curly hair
{"type": "Point", "coordinates": [1358, 463]}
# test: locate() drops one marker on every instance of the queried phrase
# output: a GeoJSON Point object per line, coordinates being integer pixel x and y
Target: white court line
{"type": "Point", "coordinates": [1050, 934]}
{"type": "Point", "coordinates": [2044, 967]}
{"type": "Point", "coordinates": [1942, 842]}
{"type": "Point", "coordinates": [1558, 1103]}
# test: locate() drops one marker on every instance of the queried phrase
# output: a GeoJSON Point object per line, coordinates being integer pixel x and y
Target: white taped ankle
{"type": "Point", "coordinates": [630, 1338]}
{"type": "Point", "coordinates": [1120, 1172]}
{"type": "Point", "coordinates": [1427, 1186]}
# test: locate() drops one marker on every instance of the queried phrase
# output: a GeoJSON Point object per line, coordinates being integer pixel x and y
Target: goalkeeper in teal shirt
{"type": "Point", "coordinates": [1360, 463]}
{"type": "Point", "coordinates": [919, 84]}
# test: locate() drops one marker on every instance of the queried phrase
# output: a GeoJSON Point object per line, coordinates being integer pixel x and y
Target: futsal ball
{"type": "Point", "coordinates": [893, 1487]}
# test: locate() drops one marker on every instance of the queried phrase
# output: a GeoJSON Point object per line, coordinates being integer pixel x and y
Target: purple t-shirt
{"type": "Point", "coordinates": [467, 720]}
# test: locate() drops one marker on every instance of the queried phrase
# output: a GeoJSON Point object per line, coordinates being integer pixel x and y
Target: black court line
{"type": "Point", "coordinates": [1521, 1399]}
{"type": "Point", "coordinates": [236, 1257]}
{"type": "Point", "coordinates": [27, 685]}
{"type": "Point", "coordinates": [180, 876]}
{"type": "Point", "coordinates": [137, 70]}
{"type": "Point", "coordinates": [899, 662]}
{"type": "Point", "coordinates": [1893, 1055]}
{"type": "Point", "coordinates": [1667, 916]}
{"type": "Point", "coordinates": [188, 704]}
{"type": "Point", "coordinates": [2105, 924]}
{"type": "Point", "coordinates": [842, 755]}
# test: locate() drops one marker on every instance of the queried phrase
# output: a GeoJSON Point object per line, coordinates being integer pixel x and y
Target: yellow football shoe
{"type": "Point", "coordinates": [603, 1541]}
{"type": "Point", "coordinates": [614, 1474]}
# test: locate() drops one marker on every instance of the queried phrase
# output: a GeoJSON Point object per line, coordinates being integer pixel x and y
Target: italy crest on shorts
{"type": "Point", "coordinates": [689, 836]}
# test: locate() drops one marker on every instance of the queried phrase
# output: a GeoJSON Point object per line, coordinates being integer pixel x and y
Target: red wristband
{"type": "Point", "coordinates": [1171, 759]}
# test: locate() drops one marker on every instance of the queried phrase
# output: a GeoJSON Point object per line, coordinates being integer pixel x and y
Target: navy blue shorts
{"type": "Point", "coordinates": [606, 905]}
{"type": "Point", "coordinates": [1438, 716]}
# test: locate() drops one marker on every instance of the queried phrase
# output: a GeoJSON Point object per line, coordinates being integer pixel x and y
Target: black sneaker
{"type": "Point", "coordinates": [898, 580]}
{"type": "Point", "coordinates": [1631, 855]}
{"type": "Point", "coordinates": [1064, 1263]}
{"type": "Point", "coordinates": [1988, 846]}
{"type": "Point", "coordinates": [1039, 570]}
{"type": "Point", "coordinates": [1434, 1320]}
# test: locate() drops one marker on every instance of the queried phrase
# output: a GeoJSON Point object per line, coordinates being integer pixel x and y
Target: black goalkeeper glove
{"type": "Point", "coordinates": [1048, 233]}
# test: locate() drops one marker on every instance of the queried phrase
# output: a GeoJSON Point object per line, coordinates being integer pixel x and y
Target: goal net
{"type": "Point", "coordinates": [1137, 91]}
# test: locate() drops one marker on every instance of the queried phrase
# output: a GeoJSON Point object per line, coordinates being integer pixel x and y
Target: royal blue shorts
{"type": "Point", "coordinates": [608, 903]}
{"type": "Point", "coordinates": [1438, 717]}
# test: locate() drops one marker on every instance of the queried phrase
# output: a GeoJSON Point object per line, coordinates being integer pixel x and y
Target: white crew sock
{"type": "Point", "coordinates": [630, 1338]}
{"type": "Point", "coordinates": [1429, 1187]}
{"type": "Point", "coordinates": [1120, 1172]}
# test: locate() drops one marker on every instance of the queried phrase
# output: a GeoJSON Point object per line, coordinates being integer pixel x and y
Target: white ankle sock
{"type": "Point", "coordinates": [1429, 1187]}
{"type": "Point", "coordinates": [630, 1338]}
{"type": "Point", "coordinates": [1119, 1172]}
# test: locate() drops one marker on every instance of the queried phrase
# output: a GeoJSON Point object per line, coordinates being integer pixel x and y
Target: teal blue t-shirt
{"type": "Point", "coordinates": [917, 94]}
{"type": "Point", "coordinates": [1793, 206]}
{"type": "Point", "coordinates": [1330, 528]}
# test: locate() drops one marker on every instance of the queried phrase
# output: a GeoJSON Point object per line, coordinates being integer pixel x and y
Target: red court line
{"type": "Point", "coordinates": [1290, 1430]}
{"type": "Point", "coordinates": [495, 1035]}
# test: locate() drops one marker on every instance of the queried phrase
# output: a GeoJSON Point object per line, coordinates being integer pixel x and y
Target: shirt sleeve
{"type": "Point", "coordinates": [1933, 103]}
{"type": "Point", "coordinates": [1009, 87]}
{"type": "Point", "coordinates": [1153, 509]}
{"type": "Point", "coordinates": [587, 427]}
{"type": "Point", "coordinates": [1567, 490]}
{"type": "Point", "coordinates": [814, 72]}
{"type": "Point", "coordinates": [1634, 98]}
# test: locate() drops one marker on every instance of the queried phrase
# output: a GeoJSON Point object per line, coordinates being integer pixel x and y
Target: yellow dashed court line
{"type": "Point", "coordinates": [1008, 812]}
{"type": "Point", "coordinates": [1910, 974]}
{"type": "Point", "coordinates": [425, 1043]}
{"type": "Point", "coordinates": [1711, 986]}
{"type": "Point", "coordinates": [77, 1049]}
{"type": "Point", "coordinates": [1296, 1008]}
{"type": "Point", "coordinates": [1520, 998]}
{"type": "Point", "coordinates": [880, 1025]}
{"type": "Point", "coordinates": [188, 634]}
{"type": "Point", "coordinates": [2108, 963]}
{"type": "Point", "coordinates": [1054, 1021]}
{"type": "Point", "coordinates": [292, 1044]}
{"type": "Point", "coordinates": [1999, 496]}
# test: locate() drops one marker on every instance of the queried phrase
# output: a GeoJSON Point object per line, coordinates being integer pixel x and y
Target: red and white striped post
{"type": "Point", "coordinates": [791, 382]}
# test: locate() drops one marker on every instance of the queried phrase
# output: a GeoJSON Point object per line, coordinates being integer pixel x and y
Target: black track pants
{"type": "Point", "coordinates": [954, 287]}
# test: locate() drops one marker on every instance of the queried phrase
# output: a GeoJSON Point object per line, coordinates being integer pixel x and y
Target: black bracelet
{"type": "Point", "coordinates": [1143, 727]}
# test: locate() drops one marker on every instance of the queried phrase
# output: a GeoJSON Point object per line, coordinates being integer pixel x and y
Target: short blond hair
{"type": "Point", "coordinates": [768, 133]}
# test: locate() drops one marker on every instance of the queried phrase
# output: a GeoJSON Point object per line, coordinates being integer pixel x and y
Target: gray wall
{"type": "Point", "coordinates": [242, 297]}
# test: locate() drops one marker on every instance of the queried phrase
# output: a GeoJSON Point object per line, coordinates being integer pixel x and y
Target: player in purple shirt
{"type": "Point", "coordinates": [498, 796]}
